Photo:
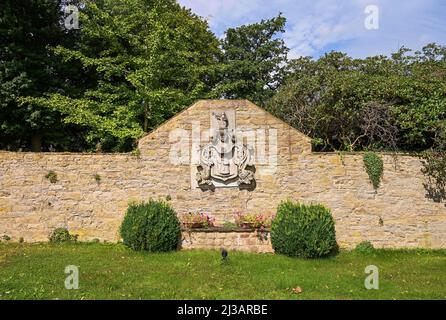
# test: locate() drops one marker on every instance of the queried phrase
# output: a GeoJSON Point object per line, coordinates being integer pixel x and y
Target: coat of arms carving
{"type": "Point", "coordinates": [225, 162]}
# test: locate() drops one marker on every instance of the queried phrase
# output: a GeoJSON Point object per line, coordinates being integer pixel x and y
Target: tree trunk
{"type": "Point", "coordinates": [36, 142]}
{"type": "Point", "coordinates": [146, 117]}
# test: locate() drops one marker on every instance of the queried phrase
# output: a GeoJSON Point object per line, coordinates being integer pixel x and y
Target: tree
{"type": "Point", "coordinates": [378, 103]}
{"type": "Point", "coordinates": [27, 68]}
{"type": "Point", "coordinates": [254, 61]}
{"type": "Point", "coordinates": [150, 58]}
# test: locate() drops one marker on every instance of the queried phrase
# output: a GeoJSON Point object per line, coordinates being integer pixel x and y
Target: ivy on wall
{"type": "Point", "coordinates": [374, 166]}
{"type": "Point", "coordinates": [434, 168]}
{"type": "Point", "coordinates": [97, 177]}
{"type": "Point", "coordinates": [52, 176]}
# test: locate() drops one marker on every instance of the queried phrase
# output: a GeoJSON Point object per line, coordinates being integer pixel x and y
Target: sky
{"type": "Point", "coordinates": [319, 26]}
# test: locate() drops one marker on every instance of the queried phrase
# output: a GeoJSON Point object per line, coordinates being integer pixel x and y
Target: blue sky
{"type": "Point", "coordinates": [319, 26]}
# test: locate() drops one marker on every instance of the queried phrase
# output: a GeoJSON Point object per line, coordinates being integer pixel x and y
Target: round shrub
{"type": "Point", "coordinates": [60, 235]}
{"type": "Point", "coordinates": [151, 226]}
{"type": "Point", "coordinates": [305, 231]}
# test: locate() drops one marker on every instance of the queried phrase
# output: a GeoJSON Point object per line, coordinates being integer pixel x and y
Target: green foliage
{"type": "Point", "coordinates": [135, 63]}
{"type": "Point", "coordinates": [197, 220]}
{"type": "Point", "coordinates": [254, 59]}
{"type": "Point", "coordinates": [306, 231]}
{"type": "Point", "coordinates": [28, 68]}
{"type": "Point", "coordinates": [376, 103]}
{"type": "Point", "coordinates": [97, 177]}
{"type": "Point", "coordinates": [151, 226]}
{"type": "Point", "coordinates": [136, 153]}
{"type": "Point", "coordinates": [132, 65]}
{"type": "Point", "coordinates": [51, 176]}
{"type": "Point", "coordinates": [149, 60]}
{"type": "Point", "coordinates": [60, 235]}
{"type": "Point", "coordinates": [364, 247]}
{"type": "Point", "coordinates": [434, 167]}
{"type": "Point", "coordinates": [5, 237]}
{"type": "Point", "coordinates": [374, 166]}
{"type": "Point", "coordinates": [229, 225]}
{"type": "Point", "coordinates": [256, 221]}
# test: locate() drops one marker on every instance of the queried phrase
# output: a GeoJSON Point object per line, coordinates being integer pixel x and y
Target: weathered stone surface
{"type": "Point", "coordinates": [253, 241]}
{"type": "Point", "coordinates": [31, 206]}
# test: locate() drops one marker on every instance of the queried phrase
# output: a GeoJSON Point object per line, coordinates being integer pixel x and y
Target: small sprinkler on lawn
{"type": "Point", "coordinates": [224, 255]}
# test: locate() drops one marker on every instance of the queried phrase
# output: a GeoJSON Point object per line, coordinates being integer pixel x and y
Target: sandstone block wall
{"type": "Point", "coordinates": [249, 241]}
{"type": "Point", "coordinates": [397, 215]}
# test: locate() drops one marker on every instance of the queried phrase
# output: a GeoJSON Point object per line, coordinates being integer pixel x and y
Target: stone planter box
{"type": "Point", "coordinates": [192, 225]}
{"type": "Point", "coordinates": [238, 239]}
{"type": "Point", "coordinates": [247, 225]}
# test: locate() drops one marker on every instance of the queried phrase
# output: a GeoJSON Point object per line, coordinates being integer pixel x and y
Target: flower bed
{"type": "Point", "coordinates": [225, 230]}
{"type": "Point", "coordinates": [196, 221]}
{"type": "Point", "coordinates": [252, 221]}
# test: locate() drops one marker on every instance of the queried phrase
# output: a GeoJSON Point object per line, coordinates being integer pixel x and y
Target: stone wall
{"type": "Point", "coordinates": [240, 240]}
{"type": "Point", "coordinates": [397, 215]}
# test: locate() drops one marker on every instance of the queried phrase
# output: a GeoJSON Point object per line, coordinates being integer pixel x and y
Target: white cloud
{"type": "Point", "coordinates": [317, 26]}
{"type": "Point", "coordinates": [222, 14]}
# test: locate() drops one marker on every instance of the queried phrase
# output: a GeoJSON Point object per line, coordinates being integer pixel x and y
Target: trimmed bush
{"type": "Point", "coordinates": [151, 226]}
{"type": "Point", "coordinates": [364, 246]}
{"type": "Point", "coordinates": [60, 235]}
{"type": "Point", "coordinates": [305, 231]}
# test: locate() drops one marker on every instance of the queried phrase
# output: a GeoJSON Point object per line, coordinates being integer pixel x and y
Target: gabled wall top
{"type": "Point", "coordinates": [248, 115]}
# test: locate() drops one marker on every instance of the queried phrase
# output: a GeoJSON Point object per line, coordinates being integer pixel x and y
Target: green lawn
{"type": "Point", "coordinates": [111, 271]}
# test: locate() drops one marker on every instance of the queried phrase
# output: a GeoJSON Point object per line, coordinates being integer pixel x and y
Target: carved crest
{"type": "Point", "coordinates": [224, 162]}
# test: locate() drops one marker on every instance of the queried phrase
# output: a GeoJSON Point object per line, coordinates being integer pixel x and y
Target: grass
{"type": "Point", "coordinates": [111, 271]}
